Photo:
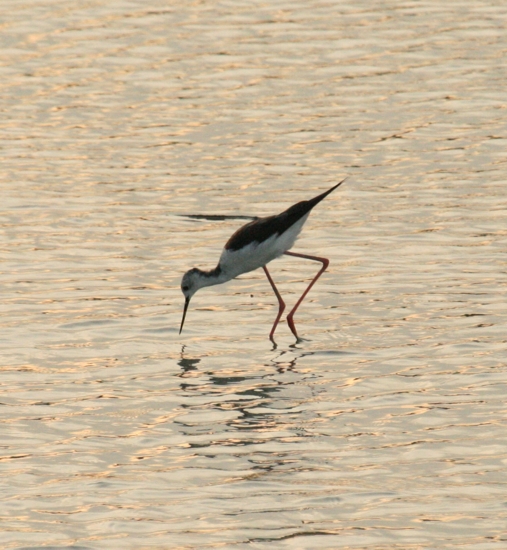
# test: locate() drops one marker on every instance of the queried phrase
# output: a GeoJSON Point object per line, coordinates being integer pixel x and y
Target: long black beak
{"type": "Point", "coordinates": [185, 307]}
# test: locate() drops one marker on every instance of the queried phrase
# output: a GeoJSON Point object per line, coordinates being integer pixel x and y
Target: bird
{"type": "Point", "coordinates": [254, 245]}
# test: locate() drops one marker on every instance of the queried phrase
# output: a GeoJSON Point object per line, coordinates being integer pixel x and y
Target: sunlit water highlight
{"type": "Point", "coordinates": [136, 137]}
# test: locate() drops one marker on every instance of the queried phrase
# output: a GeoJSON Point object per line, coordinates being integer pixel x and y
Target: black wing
{"type": "Point", "coordinates": [261, 229]}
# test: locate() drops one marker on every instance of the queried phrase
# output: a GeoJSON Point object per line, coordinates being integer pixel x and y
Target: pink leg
{"type": "Point", "coordinates": [325, 263]}
{"type": "Point", "coordinates": [281, 304]}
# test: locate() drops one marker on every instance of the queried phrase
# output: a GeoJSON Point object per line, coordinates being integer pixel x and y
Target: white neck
{"type": "Point", "coordinates": [213, 277]}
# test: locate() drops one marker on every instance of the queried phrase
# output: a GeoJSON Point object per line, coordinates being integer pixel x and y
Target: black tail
{"type": "Point", "coordinates": [317, 199]}
{"type": "Point", "coordinates": [261, 229]}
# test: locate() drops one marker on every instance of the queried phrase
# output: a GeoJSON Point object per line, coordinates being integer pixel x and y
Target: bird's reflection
{"type": "Point", "coordinates": [283, 363]}
{"type": "Point", "coordinates": [187, 364]}
{"type": "Point", "coordinates": [257, 399]}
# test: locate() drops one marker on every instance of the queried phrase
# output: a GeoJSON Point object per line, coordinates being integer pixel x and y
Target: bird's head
{"type": "Point", "coordinates": [190, 284]}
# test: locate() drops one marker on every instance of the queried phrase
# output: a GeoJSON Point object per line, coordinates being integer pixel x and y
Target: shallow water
{"type": "Point", "coordinates": [135, 139]}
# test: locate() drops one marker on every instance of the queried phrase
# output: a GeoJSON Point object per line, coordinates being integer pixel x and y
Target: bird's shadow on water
{"type": "Point", "coordinates": [242, 404]}
{"type": "Point", "coordinates": [293, 346]}
{"type": "Point", "coordinates": [190, 363]}
{"type": "Point", "coordinates": [187, 364]}
{"type": "Point", "coordinates": [217, 217]}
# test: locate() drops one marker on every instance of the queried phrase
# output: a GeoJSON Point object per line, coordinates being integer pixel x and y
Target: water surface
{"type": "Point", "coordinates": [136, 137]}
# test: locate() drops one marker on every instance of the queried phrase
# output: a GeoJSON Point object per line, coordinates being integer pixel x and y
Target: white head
{"type": "Point", "coordinates": [192, 281]}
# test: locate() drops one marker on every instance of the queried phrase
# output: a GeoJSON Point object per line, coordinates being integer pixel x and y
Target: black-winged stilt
{"type": "Point", "coordinates": [254, 245]}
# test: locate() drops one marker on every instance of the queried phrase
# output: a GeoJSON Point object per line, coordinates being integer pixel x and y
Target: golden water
{"type": "Point", "coordinates": [386, 427]}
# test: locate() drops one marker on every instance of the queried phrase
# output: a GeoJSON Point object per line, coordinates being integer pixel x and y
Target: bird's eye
{"type": "Point", "coordinates": [184, 288]}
